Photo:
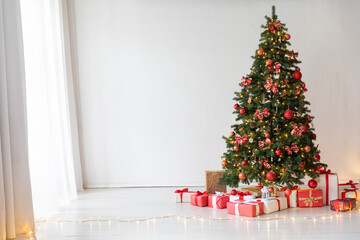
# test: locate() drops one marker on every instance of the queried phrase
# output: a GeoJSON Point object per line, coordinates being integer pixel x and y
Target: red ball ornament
{"type": "Point", "coordinates": [260, 51]}
{"type": "Point", "coordinates": [278, 152]}
{"type": "Point", "coordinates": [224, 163]}
{"type": "Point", "coordinates": [242, 176]}
{"type": "Point", "coordinates": [269, 62]}
{"type": "Point", "coordinates": [271, 176]}
{"type": "Point", "coordinates": [287, 36]}
{"type": "Point", "coordinates": [288, 114]}
{"type": "Point", "coordinates": [242, 110]}
{"type": "Point", "coordinates": [312, 183]}
{"type": "Point", "coordinates": [317, 156]}
{"type": "Point", "coordinates": [232, 134]}
{"type": "Point", "coordinates": [236, 148]}
{"type": "Point", "coordinates": [244, 163]}
{"type": "Point", "coordinates": [297, 75]}
{"type": "Point", "coordinates": [314, 136]}
{"type": "Point", "coordinates": [271, 190]}
{"type": "Point", "coordinates": [288, 192]}
{"type": "Point", "coordinates": [236, 106]}
{"type": "Point", "coordinates": [233, 192]}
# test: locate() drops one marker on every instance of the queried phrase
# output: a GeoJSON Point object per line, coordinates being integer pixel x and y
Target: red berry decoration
{"type": "Point", "coordinates": [224, 163]}
{"type": "Point", "coordinates": [236, 106]}
{"type": "Point", "coordinates": [287, 36]}
{"type": "Point", "coordinates": [244, 163]}
{"type": "Point", "coordinates": [271, 176]}
{"type": "Point", "coordinates": [278, 152]}
{"type": "Point", "coordinates": [312, 183]}
{"type": "Point", "coordinates": [288, 192]}
{"type": "Point", "coordinates": [242, 176]}
{"type": "Point", "coordinates": [288, 114]}
{"type": "Point", "coordinates": [269, 62]}
{"type": "Point", "coordinates": [297, 75]}
{"type": "Point", "coordinates": [242, 110]}
{"type": "Point", "coordinates": [232, 134]}
{"type": "Point", "coordinates": [233, 192]}
{"type": "Point", "coordinates": [236, 148]}
{"type": "Point", "coordinates": [260, 51]}
{"type": "Point", "coordinates": [317, 156]}
{"type": "Point", "coordinates": [314, 136]}
{"type": "Point", "coordinates": [302, 164]}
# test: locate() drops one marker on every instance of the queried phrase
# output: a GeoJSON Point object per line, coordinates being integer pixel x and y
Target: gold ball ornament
{"type": "Point", "coordinates": [269, 62]}
{"type": "Point", "coordinates": [236, 148]}
{"type": "Point", "coordinates": [307, 148]}
{"type": "Point", "coordinates": [242, 176]}
{"type": "Point", "coordinates": [287, 36]}
{"type": "Point", "coordinates": [260, 51]}
{"type": "Point", "coordinates": [267, 135]}
{"type": "Point", "coordinates": [224, 163]}
{"type": "Point", "coordinates": [271, 190]}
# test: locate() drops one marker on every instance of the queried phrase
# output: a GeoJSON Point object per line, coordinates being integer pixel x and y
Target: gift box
{"type": "Point", "coordinates": [246, 208]}
{"type": "Point", "coordinates": [328, 182]}
{"type": "Point", "coordinates": [292, 200]}
{"type": "Point", "coordinates": [310, 198]}
{"type": "Point", "coordinates": [200, 199]}
{"type": "Point", "coordinates": [212, 181]}
{"type": "Point", "coordinates": [349, 190]}
{"type": "Point", "coordinates": [254, 190]}
{"type": "Point", "coordinates": [343, 204]}
{"type": "Point", "coordinates": [218, 200]}
{"type": "Point", "coordinates": [246, 196]}
{"type": "Point", "coordinates": [274, 204]}
{"type": "Point", "coordinates": [183, 195]}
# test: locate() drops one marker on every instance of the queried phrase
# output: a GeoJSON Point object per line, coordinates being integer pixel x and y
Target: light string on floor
{"type": "Point", "coordinates": [200, 218]}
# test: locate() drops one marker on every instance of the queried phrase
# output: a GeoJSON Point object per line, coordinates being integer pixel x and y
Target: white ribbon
{"type": "Point", "coordinates": [217, 194]}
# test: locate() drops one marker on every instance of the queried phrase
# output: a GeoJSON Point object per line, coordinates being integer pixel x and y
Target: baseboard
{"type": "Point", "coordinates": [97, 186]}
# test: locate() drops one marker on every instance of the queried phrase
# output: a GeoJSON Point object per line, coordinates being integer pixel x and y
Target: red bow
{"type": "Point", "coordinates": [298, 130]}
{"type": "Point", "coordinates": [240, 139]}
{"type": "Point", "coordinates": [288, 149]}
{"type": "Point", "coordinates": [264, 113]}
{"type": "Point", "coordinates": [245, 81]}
{"type": "Point", "coordinates": [294, 147]}
{"type": "Point", "coordinates": [270, 85]}
{"type": "Point", "coordinates": [278, 25]}
{"type": "Point", "coordinates": [302, 86]}
{"type": "Point", "coordinates": [285, 187]}
{"type": "Point", "coordinates": [267, 165]}
{"type": "Point", "coordinates": [324, 171]}
{"type": "Point", "coordinates": [343, 194]}
{"type": "Point", "coordinates": [240, 193]}
{"type": "Point", "coordinates": [271, 27]}
{"type": "Point", "coordinates": [277, 67]}
{"type": "Point", "coordinates": [293, 55]}
{"type": "Point", "coordinates": [185, 190]}
{"type": "Point", "coordinates": [198, 193]}
{"type": "Point", "coordinates": [351, 183]}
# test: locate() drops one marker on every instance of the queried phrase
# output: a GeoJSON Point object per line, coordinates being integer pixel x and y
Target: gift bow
{"type": "Point", "coordinates": [240, 139]}
{"type": "Point", "coordinates": [270, 85]}
{"type": "Point", "coordinates": [286, 187]}
{"type": "Point", "coordinates": [271, 27]}
{"type": "Point", "coordinates": [351, 183]}
{"type": "Point", "coordinates": [260, 114]}
{"type": "Point", "coordinates": [240, 193]}
{"type": "Point", "coordinates": [293, 55]}
{"type": "Point", "coordinates": [298, 130]}
{"type": "Point", "coordinates": [277, 67]}
{"type": "Point", "coordinates": [198, 193]}
{"type": "Point", "coordinates": [278, 25]}
{"type": "Point", "coordinates": [343, 194]}
{"type": "Point", "coordinates": [302, 86]}
{"type": "Point", "coordinates": [245, 81]}
{"type": "Point", "coordinates": [182, 191]}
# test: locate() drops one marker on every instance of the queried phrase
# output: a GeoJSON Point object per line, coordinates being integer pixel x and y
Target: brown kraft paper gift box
{"type": "Point", "coordinates": [212, 179]}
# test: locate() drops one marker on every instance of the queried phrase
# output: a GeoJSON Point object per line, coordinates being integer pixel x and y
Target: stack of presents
{"type": "Point", "coordinates": [256, 200]}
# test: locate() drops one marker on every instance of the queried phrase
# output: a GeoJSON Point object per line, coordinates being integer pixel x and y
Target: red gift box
{"type": "Point", "coordinates": [310, 198]}
{"type": "Point", "coordinates": [246, 209]}
{"type": "Point", "coordinates": [218, 200]}
{"type": "Point", "coordinates": [199, 199]}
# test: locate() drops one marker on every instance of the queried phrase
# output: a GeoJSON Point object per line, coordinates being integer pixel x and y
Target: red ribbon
{"type": "Point", "coordinates": [351, 183]}
{"type": "Point", "coordinates": [245, 82]}
{"type": "Point", "coordinates": [270, 85]}
{"type": "Point", "coordinates": [278, 201]}
{"type": "Point", "coordinates": [343, 194]}
{"type": "Point", "coordinates": [293, 55]}
{"type": "Point", "coordinates": [240, 139]}
{"type": "Point", "coordinates": [327, 173]}
{"type": "Point", "coordinates": [182, 192]}
{"type": "Point", "coordinates": [302, 86]}
{"type": "Point", "coordinates": [288, 197]}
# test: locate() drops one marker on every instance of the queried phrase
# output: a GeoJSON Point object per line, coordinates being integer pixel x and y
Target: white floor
{"type": "Point", "coordinates": [122, 213]}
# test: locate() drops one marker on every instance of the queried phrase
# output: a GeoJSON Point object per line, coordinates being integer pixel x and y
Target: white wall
{"type": "Point", "coordinates": [156, 82]}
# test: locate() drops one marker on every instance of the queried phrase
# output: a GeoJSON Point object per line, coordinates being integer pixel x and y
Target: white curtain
{"type": "Point", "coordinates": [53, 142]}
{"type": "Point", "coordinates": [16, 212]}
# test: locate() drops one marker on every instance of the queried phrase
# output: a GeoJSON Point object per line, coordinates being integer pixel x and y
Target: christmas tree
{"type": "Point", "coordinates": [273, 139]}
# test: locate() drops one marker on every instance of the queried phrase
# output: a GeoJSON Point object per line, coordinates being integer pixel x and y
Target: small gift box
{"type": "Point", "coordinates": [241, 196]}
{"type": "Point", "coordinates": [328, 183]}
{"type": "Point", "coordinates": [183, 195]}
{"type": "Point", "coordinates": [218, 200]}
{"type": "Point", "coordinates": [255, 190]}
{"type": "Point", "coordinates": [349, 190]}
{"type": "Point", "coordinates": [292, 200]}
{"type": "Point", "coordinates": [310, 198]}
{"type": "Point", "coordinates": [343, 204]}
{"type": "Point", "coordinates": [199, 199]}
{"type": "Point", "coordinates": [274, 204]}
{"type": "Point", "coordinates": [246, 208]}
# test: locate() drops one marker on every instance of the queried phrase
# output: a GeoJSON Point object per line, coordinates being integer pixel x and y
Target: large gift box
{"type": "Point", "coordinates": [292, 200]}
{"type": "Point", "coordinates": [212, 181]}
{"type": "Point", "coordinates": [246, 196]}
{"type": "Point", "coordinates": [349, 190]}
{"type": "Point", "coordinates": [328, 183]}
{"type": "Point", "coordinates": [199, 199]}
{"type": "Point", "coordinates": [183, 195]}
{"type": "Point", "coordinates": [218, 200]}
{"type": "Point", "coordinates": [310, 198]}
{"type": "Point", "coordinates": [246, 208]}
{"type": "Point", "coordinates": [274, 204]}
{"type": "Point", "coordinates": [343, 205]}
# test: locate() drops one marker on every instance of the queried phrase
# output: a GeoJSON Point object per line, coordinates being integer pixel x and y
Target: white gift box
{"type": "Point", "coordinates": [328, 183]}
{"type": "Point", "coordinates": [274, 204]}
{"type": "Point", "coordinates": [234, 198]}
{"type": "Point", "coordinates": [185, 198]}
{"type": "Point", "coordinates": [292, 202]}
{"type": "Point", "coordinates": [349, 190]}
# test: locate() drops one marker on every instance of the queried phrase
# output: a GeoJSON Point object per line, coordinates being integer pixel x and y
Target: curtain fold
{"type": "Point", "coordinates": [16, 211]}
